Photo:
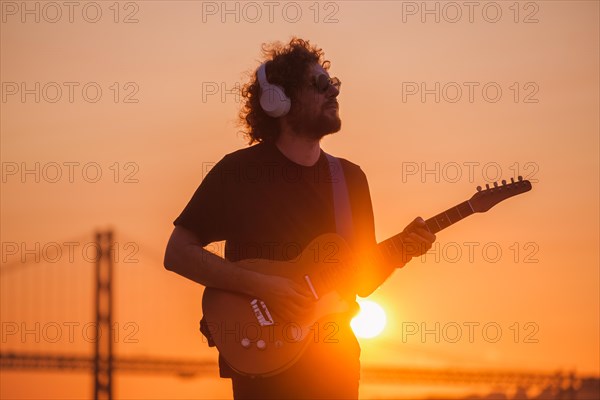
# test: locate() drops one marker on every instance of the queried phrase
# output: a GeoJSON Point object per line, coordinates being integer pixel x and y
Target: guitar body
{"type": "Point", "coordinates": [257, 342]}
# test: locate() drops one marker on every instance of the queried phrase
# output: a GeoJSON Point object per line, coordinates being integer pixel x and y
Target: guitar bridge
{"type": "Point", "coordinates": [261, 312]}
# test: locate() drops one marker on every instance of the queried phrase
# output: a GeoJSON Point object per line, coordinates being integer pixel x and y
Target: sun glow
{"type": "Point", "coordinates": [370, 321]}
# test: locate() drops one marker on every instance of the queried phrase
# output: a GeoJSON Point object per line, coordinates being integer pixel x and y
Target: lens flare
{"type": "Point", "coordinates": [370, 321]}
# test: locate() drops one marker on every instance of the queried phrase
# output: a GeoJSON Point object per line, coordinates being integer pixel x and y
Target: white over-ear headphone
{"type": "Point", "coordinates": [272, 97]}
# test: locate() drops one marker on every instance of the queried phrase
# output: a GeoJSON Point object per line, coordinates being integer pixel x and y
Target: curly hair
{"type": "Point", "coordinates": [287, 66]}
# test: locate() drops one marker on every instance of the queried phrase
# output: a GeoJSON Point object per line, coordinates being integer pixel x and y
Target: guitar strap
{"type": "Point", "coordinates": [341, 200]}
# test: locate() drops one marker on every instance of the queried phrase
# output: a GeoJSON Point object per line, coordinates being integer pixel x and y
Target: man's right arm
{"type": "Point", "coordinates": [186, 256]}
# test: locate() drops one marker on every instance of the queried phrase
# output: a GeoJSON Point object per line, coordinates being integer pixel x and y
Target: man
{"type": "Point", "coordinates": [269, 201]}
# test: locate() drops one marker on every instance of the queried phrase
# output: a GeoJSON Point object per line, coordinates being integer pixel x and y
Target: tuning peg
{"type": "Point", "coordinates": [487, 186]}
{"type": "Point", "coordinates": [520, 178]}
{"type": "Point", "coordinates": [479, 188]}
{"type": "Point", "coordinates": [512, 180]}
{"type": "Point", "coordinates": [504, 181]}
{"type": "Point", "coordinates": [495, 184]}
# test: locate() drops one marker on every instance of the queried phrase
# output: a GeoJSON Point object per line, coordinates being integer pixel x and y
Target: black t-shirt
{"type": "Point", "coordinates": [266, 206]}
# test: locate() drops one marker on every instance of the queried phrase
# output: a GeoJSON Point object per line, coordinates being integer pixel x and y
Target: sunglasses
{"type": "Point", "coordinates": [322, 82]}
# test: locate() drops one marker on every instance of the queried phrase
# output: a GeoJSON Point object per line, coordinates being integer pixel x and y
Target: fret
{"type": "Point", "coordinates": [430, 227]}
{"type": "Point", "coordinates": [449, 217]}
{"type": "Point", "coordinates": [442, 220]}
{"type": "Point", "coordinates": [433, 224]}
{"type": "Point", "coordinates": [465, 209]}
{"type": "Point", "coordinates": [470, 206]}
{"type": "Point", "coordinates": [453, 215]}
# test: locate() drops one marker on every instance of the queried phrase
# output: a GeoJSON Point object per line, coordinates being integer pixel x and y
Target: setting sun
{"type": "Point", "coordinates": [370, 321]}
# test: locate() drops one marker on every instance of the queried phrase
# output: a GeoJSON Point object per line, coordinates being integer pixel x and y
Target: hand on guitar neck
{"type": "Point", "coordinates": [416, 240]}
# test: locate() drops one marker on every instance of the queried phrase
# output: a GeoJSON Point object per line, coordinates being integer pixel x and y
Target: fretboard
{"type": "Point", "coordinates": [391, 247]}
{"type": "Point", "coordinates": [449, 217]}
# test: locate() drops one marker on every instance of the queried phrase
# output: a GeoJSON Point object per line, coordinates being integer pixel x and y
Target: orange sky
{"type": "Point", "coordinates": [157, 148]}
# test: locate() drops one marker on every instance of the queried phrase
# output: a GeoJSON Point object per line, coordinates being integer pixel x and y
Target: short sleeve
{"type": "Point", "coordinates": [207, 213]}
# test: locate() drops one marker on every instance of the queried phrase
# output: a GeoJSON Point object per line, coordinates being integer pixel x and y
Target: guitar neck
{"type": "Point", "coordinates": [449, 217]}
{"type": "Point", "coordinates": [389, 248]}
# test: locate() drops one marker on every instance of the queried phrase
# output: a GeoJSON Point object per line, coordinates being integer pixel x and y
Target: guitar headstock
{"type": "Point", "coordinates": [487, 198]}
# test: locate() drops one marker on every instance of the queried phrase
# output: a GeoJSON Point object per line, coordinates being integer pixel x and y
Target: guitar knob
{"type": "Point", "coordinates": [512, 180]}
{"type": "Point", "coordinates": [520, 178]}
{"type": "Point", "coordinates": [504, 181]}
{"type": "Point", "coordinates": [261, 345]}
{"type": "Point", "coordinates": [487, 186]}
{"type": "Point", "coordinates": [479, 188]}
{"type": "Point", "coordinates": [245, 343]}
{"type": "Point", "coordinates": [495, 184]}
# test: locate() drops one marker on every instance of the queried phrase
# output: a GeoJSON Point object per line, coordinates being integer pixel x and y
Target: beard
{"type": "Point", "coordinates": [313, 126]}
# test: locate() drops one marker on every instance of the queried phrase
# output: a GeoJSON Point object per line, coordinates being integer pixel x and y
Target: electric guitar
{"type": "Point", "coordinates": [257, 342]}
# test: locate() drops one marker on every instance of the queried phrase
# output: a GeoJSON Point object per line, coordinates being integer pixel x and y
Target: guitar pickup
{"type": "Point", "coordinates": [261, 312]}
